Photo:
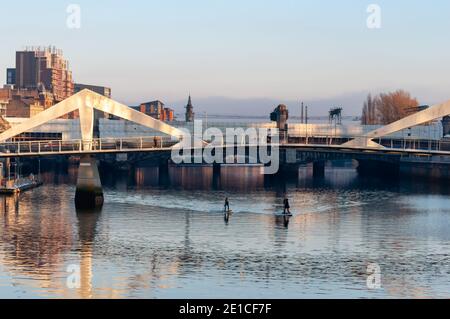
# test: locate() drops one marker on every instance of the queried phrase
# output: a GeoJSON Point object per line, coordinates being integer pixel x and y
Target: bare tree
{"type": "Point", "coordinates": [370, 116]}
{"type": "Point", "coordinates": [365, 119]}
{"type": "Point", "coordinates": [388, 107]}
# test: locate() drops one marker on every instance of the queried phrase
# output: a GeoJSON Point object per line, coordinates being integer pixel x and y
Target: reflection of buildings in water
{"type": "Point", "coordinates": [192, 177]}
{"type": "Point", "coordinates": [341, 176]}
{"type": "Point", "coordinates": [60, 177]}
{"type": "Point", "coordinates": [9, 204]}
{"type": "Point", "coordinates": [336, 175]}
{"type": "Point", "coordinates": [34, 246]}
{"type": "Point", "coordinates": [241, 178]}
{"type": "Point", "coordinates": [35, 243]}
{"type": "Point", "coordinates": [202, 177]}
{"type": "Point", "coordinates": [146, 176]}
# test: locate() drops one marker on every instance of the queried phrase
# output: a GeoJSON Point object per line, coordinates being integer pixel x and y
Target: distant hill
{"type": "Point", "coordinates": [351, 104]}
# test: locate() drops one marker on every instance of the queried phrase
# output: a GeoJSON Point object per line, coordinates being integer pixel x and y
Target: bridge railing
{"type": "Point", "coordinates": [80, 146]}
{"type": "Point", "coordinates": [158, 142]}
{"type": "Point", "coordinates": [405, 143]}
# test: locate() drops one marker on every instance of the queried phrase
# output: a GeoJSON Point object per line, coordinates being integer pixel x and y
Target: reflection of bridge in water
{"type": "Point", "coordinates": [372, 150]}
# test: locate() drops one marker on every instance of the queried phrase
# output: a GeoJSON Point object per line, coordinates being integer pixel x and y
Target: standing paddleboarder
{"type": "Point", "coordinates": [227, 205]}
{"type": "Point", "coordinates": [287, 207]}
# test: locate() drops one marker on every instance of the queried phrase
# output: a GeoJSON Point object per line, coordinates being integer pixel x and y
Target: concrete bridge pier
{"type": "Point", "coordinates": [89, 193]}
{"type": "Point", "coordinates": [319, 169]}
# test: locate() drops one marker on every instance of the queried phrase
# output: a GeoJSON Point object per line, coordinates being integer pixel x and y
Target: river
{"type": "Point", "coordinates": [169, 239]}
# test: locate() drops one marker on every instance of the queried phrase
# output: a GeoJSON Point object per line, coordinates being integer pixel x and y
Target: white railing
{"type": "Point", "coordinates": [99, 145]}
{"type": "Point", "coordinates": [405, 143]}
{"type": "Point", "coordinates": [80, 146]}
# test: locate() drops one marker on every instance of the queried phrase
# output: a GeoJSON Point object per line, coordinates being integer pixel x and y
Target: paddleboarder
{"type": "Point", "coordinates": [227, 205]}
{"type": "Point", "coordinates": [287, 207]}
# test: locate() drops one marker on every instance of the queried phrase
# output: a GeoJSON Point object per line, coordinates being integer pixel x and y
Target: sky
{"type": "Point", "coordinates": [243, 56]}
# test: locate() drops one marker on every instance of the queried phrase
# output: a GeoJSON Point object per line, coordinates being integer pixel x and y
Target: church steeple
{"type": "Point", "coordinates": [189, 110]}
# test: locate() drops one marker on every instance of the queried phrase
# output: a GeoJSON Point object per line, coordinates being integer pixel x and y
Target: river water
{"type": "Point", "coordinates": [169, 239]}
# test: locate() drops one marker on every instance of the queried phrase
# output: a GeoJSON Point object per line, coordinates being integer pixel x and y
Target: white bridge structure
{"type": "Point", "coordinates": [433, 113]}
{"type": "Point", "coordinates": [85, 102]}
{"type": "Point", "coordinates": [89, 191]}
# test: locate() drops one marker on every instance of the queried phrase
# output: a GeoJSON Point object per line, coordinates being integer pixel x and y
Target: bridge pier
{"type": "Point", "coordinates": [89, 193]}
{"type": "Point", "coordinates": [319, 169]}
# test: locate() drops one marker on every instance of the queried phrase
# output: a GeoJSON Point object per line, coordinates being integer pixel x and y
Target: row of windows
{"type": "Point", "coordinates": [38, 136]}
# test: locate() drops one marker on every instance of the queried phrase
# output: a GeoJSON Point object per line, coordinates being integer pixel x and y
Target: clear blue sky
{"type": "Point", "coordinates": [281, 50]}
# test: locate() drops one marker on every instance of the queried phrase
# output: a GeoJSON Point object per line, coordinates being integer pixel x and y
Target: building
{"type": "Point", "coordinates": [46, 99]}
{"type": "Point", "coordinates": [23, 108]}
{"type": "Point", "coordinates": [105, 91]}
{"type": "Point", "coordinates": [189, 111]}
{"type": "Point", "coordinates": [157, 110]}
{"type": "Point", "coordinates": [446, 126]}
{"type": "Point", "coordinates": [281, 116]}
{"type": "Point", "coordinates": [6, 93]}
{"type": "Point", "coordinates": [10, 76]}
{"type": "Point", "coordinates": [3, 106]}
{"type": "Point", "coordinates": [42, 69]}
{"type": "Point", "coordinates": [169, 114]}
{"type": "Point", "coordinates": [32, 102]}
{"type": "Point", "coordinates": [40, 79]}
{"type": "Point", "coordinates": [153, 109]}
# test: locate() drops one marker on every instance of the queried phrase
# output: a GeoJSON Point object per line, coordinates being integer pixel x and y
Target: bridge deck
{"type": "Point", "coordinates": [160, 144]}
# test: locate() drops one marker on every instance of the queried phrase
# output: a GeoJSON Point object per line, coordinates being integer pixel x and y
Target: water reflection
{"type": "Point", "coordinates": [191, 178]}
{"type": "Point", "coordinates": [199, 178]}
{"type": "Point", "coordinates": [226, 217]}
{"type": "Point", "coordinates": [160, 237]}
{"type": "Point", "coordinates": [148, 176]}
{"type": "Point", "coordinates": [87, 225]}
{"type": "Point", "coordinates": [33, 242]}
{"type": "Point", "coordinates": [9, 204]}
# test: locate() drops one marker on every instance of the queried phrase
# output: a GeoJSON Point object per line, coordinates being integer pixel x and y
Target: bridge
{"type": "Point", "coordinates": [89, 189]}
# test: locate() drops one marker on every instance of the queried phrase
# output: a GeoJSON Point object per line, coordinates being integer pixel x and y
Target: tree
{"type": "Point", "coordinates": [388, 107]}
{"type": "Point", "coordinates": [395, 106]}
{"type": "Point", "coordinates": [369, 115]}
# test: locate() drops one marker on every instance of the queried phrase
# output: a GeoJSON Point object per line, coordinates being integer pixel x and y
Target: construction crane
{"type": "Point", "coordinates": [336, 115]}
